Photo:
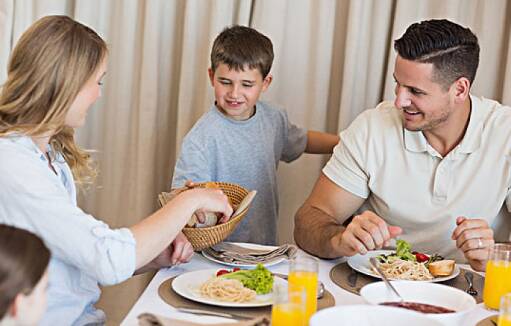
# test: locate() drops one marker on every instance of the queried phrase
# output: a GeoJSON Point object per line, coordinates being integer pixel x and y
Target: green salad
{"type": "Point", "coordinates": [404, 252]}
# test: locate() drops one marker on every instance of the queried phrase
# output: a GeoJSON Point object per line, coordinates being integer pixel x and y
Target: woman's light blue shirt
{"type": "Point", "coordinates": [85, 251]}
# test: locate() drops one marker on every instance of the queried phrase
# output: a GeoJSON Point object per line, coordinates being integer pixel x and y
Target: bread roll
{"type": "Point", "coordinates": [442, 267]}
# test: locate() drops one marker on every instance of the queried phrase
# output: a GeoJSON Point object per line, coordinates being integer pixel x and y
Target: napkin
{"type": "Point", "coordinates": [148, 319]}
{"type": "Point", "coordinates": [232, 253]}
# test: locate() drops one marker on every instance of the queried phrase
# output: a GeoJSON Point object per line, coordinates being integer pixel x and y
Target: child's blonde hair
{"type": "Point", "coordinates": [50, 64]}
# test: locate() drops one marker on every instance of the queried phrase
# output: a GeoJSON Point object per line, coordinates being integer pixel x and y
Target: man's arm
{"type": "Point", "coordinates": [320, 142]}
{"type": "Point", "coordinates": [318, 223]}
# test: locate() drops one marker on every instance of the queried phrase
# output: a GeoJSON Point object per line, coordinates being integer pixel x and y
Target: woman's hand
{"type": "Point", "coordinates": [210, 200]}
{"type": "Point", "coordinates": [178, 252]}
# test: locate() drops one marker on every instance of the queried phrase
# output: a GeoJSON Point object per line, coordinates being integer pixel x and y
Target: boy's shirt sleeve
{"type": "Point", "coordinates": [192, 164]}
{"type": "Point", "coordinates": [295, 140]}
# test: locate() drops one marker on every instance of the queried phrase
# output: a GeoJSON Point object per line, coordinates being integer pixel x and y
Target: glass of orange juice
{"type": "Point", "coordinates": [505, 310]}
{"type": "Point", "coordinates": [497, 281]}
{"type": "Point", "coordinates": [288, 306]}
{"type": "Point", "coordinates": [303, 273]}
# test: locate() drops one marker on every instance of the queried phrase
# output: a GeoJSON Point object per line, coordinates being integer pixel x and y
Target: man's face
{"type": "Point", "coordinates": [236, 92]}
{"type": "Point", "coordinates": [424, 104]}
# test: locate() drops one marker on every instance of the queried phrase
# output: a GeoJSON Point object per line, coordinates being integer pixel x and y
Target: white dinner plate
{"type": "Point", "coordinates": [361, 264]}
{"type": "Point", "coordinates": [246, 265]}
{"type": "Point", "coordinates": [188, 286]}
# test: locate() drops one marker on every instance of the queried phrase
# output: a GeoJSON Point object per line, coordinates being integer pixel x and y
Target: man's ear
{"type": "Point", "coordinates": [211, 75]}
{"type": "Point", "coordinates": [267, 81]}
{"type": "Point", "coordinates": [12, 311]}
{"type": "Point", "coordinates": [461, 90]}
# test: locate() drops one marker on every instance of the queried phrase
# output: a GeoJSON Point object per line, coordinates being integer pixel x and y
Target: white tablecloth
{"type": "Point", "coordinates": [150, 301]}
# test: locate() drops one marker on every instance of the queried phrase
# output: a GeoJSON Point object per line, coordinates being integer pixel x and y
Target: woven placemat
{"type": "Point", "coordinates": [168, 295]}
{"type": "Point", "coordinates": [488, 321]}
{"type": "Point", "coordinates": [341, 274]}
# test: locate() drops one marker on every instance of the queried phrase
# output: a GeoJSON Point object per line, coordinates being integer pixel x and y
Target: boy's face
{"type": "Point", "coordinates": [236, 92]}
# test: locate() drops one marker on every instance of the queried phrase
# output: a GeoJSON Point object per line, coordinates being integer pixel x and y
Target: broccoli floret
{"type": "Point", "coordinates": [259, 279]}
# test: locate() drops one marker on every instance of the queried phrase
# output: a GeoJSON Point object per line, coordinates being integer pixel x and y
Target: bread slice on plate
{"type": "Point", "coordinates": [442, 267]}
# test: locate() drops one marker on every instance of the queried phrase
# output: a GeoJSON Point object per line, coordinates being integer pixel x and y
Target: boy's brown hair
{"type": "Point", "coordinates": [240, 46]}
{"type": "Point", "coordinates": [23, 260]}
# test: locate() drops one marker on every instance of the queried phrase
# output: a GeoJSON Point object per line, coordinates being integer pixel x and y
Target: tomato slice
{"type": "Point", "coordinates": [421, 258]}
{"type": "Point", "coordinates": [222, 272]}
{"type": "Point", "coordinates": [235, 269]}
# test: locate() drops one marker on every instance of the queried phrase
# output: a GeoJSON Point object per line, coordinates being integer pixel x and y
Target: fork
{"type": "Point", "coordinates": [470, 280]}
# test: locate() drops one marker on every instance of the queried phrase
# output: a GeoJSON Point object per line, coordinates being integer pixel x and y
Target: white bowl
{"type": "Point", "coordinates": [422, 292]}
{"type": "Point", "coordinates": [369, 315]}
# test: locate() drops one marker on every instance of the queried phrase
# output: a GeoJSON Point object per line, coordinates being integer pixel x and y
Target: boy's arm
{"type": "Point", "coordinates": [320, 142]}
{"type": "Point", "coordinates": [192, 165]}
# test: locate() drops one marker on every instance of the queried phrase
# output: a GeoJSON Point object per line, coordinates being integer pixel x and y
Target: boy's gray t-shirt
{"type": "Point", "coordinates": [246, 153]}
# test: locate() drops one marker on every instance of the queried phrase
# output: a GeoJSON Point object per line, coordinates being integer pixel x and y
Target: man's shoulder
{"type": "Point", "coordinates": [492, 112]}
{"type": "Point", "coordinates": [379, 119]}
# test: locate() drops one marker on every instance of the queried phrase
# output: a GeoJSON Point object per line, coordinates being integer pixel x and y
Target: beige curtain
{"type": "Point", "coordinates": [334, 59]}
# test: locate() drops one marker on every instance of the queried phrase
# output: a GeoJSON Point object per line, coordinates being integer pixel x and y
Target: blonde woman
{"type": "Point", "coordinates": [54, 76]}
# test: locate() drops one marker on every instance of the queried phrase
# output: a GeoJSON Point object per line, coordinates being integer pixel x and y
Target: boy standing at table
{"type": "Point", "coordinates": [241, 139]}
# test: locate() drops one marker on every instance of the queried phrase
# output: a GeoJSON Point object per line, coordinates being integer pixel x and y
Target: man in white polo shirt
{"type": "Point", "coordinates": [432, 168]}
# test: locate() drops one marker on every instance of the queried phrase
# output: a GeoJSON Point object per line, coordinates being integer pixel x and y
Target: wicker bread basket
{"type": "Point", "coordinates": [205, 237]}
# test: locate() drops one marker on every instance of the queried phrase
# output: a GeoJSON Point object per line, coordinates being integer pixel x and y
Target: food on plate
{"type": "Point", "coordinates": [407, 265]}
{"type": "Point", "coordinates": [222, 289]}
{"type": "Point", "coordinates": [259, 279]}
{"type": "Point", "coordinates": [420, 307]}
{"type": "Point", "coordinates": [238, 285]}
{"type": "Point", "coordinates": [442, 267]}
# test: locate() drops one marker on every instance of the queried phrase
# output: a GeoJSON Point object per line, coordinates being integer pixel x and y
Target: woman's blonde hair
{"type": "Point", "coordinates": [48, 67]}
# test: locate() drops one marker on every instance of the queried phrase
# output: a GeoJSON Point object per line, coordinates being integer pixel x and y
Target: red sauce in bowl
{"type": "Point", "coordinates": [420, 307]}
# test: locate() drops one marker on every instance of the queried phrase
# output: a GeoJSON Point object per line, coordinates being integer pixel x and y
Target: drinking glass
{"type": "Point", "coordinates": [505, 310]}
{"type": "Point", "coordinates": [497, 281]}
{"type": "Point", "coordinates": [303, 273]}
{"type": "Point", "coordinates": [288, 306]}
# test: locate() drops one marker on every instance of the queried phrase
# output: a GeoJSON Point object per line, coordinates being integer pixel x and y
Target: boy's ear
{"type": "Point", "coordinates": [267, 81]}
{"type": "Point", "coordinates": [12, 311]}
{"type": "Point", "coordinates": [211, 75]}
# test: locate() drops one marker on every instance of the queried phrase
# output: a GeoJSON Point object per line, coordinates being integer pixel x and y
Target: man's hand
{"type": "Point", "coordinates": [365, 232]}
{"type": "Point", "coordinates": [474, 237]}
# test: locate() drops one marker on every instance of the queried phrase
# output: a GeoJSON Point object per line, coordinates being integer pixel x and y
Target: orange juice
{"type": "Point", "coordinates": [504, 320]}
{"type": "Point", "coordinates": [286, 314]}
{"type": "Point", "coordinates": [497, 282]}
{"type": "Point", "coordinates": [308, 280]}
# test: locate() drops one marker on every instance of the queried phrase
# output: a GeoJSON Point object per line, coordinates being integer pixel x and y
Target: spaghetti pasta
{"type": "Point", "coordinates": [399, 269]}
{"type": "Point", "coordinates": [226, 290]}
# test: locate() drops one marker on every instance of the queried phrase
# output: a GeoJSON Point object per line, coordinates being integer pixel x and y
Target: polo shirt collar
{"type": "Point", "coordinates": [416, 142]}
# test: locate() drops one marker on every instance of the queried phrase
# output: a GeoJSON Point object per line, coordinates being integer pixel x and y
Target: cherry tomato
{"type": "Point", "coordinates": [222, 272]}
{"type": "Point", "coordinates": [421, 258]}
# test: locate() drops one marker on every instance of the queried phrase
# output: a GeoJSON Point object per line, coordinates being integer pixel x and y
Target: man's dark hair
{"type": "Point", "coordinates": [240, 46]}
{"type": "Point", "coordinates": [452, 49]}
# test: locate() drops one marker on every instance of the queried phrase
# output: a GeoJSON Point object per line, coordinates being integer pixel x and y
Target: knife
{"type": "Point", "coordinates": [213, 313]}
{"type": "Point", "coordinates": [352, 278]}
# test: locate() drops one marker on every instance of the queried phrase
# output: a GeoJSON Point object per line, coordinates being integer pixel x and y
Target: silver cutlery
{"type": "Point", "coordinates": [213, 313]}
{"type": "Point", "coordinates": [373, 262]}
{"type": "Point", "coordinates": [352, 278]}
{"type": "Point", "coordinates": [321, 287]}
{"type": "Point", "coordinates": [470, 280]}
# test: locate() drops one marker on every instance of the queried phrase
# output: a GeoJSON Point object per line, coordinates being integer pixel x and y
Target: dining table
{"type": "Point", "coordinates": [150, 301]}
